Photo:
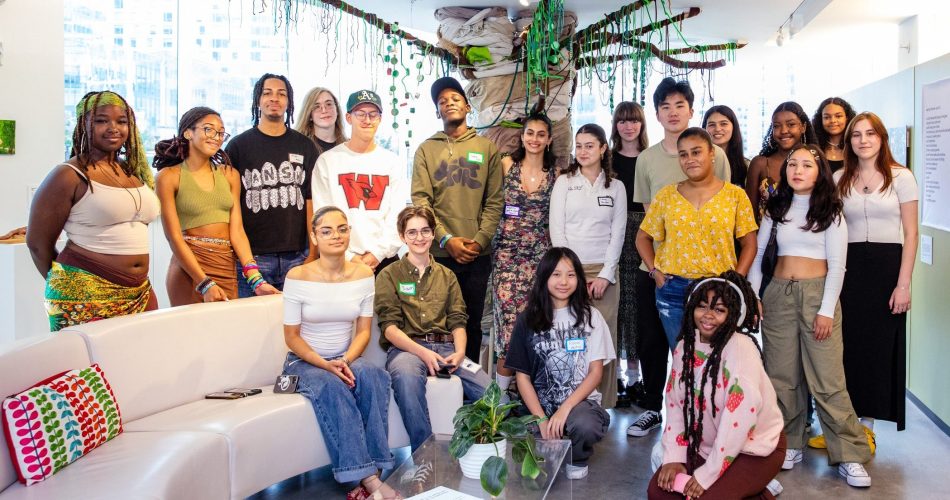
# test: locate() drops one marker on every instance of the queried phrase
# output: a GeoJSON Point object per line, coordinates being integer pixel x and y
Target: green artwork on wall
{"type": "Point", "coordinates": [7, 137]}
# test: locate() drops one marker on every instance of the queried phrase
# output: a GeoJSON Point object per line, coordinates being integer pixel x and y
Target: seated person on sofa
{"type": "Point", "coordinates": [322, 300]}
{"type": "Point", "coordinates": [422, 318]}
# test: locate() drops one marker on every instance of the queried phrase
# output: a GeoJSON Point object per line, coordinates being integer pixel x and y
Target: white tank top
{"type": "Point", "coordinates": [112, 220]}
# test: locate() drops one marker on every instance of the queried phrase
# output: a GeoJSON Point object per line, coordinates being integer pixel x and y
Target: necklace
{"type": "Point", "coordinates": [866, 188]}
{"type": "Point", "coordinates": [137, 203]}
{"type": "Point", "coordinates": [833, 145]}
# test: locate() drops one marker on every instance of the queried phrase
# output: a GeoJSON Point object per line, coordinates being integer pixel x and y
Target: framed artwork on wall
{"type": "Point", "coordinates": [7, 137]}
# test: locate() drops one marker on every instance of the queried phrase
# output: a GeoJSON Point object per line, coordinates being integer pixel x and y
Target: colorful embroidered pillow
{"type": "Point", "coordinates": [57, 421]}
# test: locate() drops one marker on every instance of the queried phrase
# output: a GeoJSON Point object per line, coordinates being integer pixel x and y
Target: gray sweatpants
{"type": "Point", "coordinates": [586, 425]}
{"type": "Point", "coordinates": [793, 358]}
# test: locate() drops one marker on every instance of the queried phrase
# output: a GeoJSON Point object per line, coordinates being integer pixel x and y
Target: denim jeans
{"type": "Point", "coordinates": [356, 451]}
{"type": "Point", "coordinates": [409, 375]}
{"type": "Point", "coordinates": [473, 280]}
{"type": "Point", "coordinates": [670, 302]}
{"type": "Point", "coordinates": [273, 267]}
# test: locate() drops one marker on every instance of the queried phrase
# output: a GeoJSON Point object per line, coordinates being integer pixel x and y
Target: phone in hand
{"type": "Point", "coordinates": [444, 370]}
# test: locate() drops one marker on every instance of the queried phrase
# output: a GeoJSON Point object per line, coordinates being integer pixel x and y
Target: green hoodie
{"type": "Point", "coordinates": [461, 180]}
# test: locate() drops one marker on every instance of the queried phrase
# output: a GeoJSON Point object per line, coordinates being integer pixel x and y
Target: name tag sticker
{"type": "Point", "coordinates": [476, 158]}
{"type": "Point", "coordinates": [407, 288]}
{"type": "Point", "coordinates": [470, 365]}
{"type": "Point", "coordinates": [605, 201]}
{"type": "Point", "coordinates": [512, 211]}
{"type": "Point", "coordinates": [296, 158]}
{"type": "Point", "coordinates": [575, 345]}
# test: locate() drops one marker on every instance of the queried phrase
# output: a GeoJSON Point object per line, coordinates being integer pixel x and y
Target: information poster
{"type": "Point", "coordinates": [935, 185]}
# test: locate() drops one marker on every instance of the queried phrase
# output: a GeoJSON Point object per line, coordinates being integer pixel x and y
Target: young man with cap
{"type": "Point", "coordinates": [366, 181]}
{"type": "Point", "coordinates": [275, 163]}
{"type": "Point", "coordinates": [458, 174]}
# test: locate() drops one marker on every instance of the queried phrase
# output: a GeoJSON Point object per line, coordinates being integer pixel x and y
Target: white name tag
{"type": "Point", "coordinates": [296, 158]}
{"type": "Point", "coordinates": [476, 158]}
{"type": "Point", "coordinates": [512, 211]}
{"type": "Point", "coordinates": [605, 201]}
{"type": "Point", "coordinates": [575, 345]}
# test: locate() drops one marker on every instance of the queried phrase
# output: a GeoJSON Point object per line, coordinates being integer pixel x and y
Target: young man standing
{"type": "Point", "coordinates": [275, 163]}
{"type": "Point", "coordinates": [658, 166]}
{"type": "Point", "coordinates": [458, 174]}
{"type": "Point", "coordinates": [365, 180]}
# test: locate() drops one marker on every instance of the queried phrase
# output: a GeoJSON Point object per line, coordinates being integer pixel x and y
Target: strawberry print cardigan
{"type": "Point", "coordinates": [748, 419]}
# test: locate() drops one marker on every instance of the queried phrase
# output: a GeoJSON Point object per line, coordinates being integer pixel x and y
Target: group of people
{"type": "Point", "coordinates": [682, 247]}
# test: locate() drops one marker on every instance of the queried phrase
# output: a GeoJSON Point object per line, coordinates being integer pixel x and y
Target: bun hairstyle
{"type": "Point", "coordinates": [171, 152]}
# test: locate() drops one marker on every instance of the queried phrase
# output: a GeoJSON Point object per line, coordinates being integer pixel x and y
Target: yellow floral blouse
{"type": "Point", "coordinates": [696, 243]}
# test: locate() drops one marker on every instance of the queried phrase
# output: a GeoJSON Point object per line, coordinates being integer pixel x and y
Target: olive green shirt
{"type": "Point", "coordinates": [417, 305]}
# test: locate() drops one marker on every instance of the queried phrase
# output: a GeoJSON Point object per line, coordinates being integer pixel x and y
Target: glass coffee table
{"type": "Point", "coordinates": [432, 473]}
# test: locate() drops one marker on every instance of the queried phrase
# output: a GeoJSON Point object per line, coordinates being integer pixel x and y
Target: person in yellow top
{"type": "Point", "coordinates": [695, 223]}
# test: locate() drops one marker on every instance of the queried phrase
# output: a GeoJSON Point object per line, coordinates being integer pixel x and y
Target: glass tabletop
{"type": "Point", "coordinates": [432, 467]}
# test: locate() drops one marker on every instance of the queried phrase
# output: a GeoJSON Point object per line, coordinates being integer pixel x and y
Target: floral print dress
{"type": "Point", "coordinates": [520, 242]}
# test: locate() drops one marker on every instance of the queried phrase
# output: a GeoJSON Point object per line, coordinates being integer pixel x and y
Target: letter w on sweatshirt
{"type": "Point", "coordinates": [364, 189]}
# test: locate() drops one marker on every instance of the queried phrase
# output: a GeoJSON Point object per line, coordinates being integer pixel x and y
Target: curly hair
{"type": "Point", "coordinates": [820, 133]}
{"type": "Point", "coordinates": [170, 152]}
{"type": "Point", "coordinates": [808, 136]}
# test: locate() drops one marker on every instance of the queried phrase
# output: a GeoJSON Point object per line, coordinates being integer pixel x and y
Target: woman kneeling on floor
{"type": "Point", "coordinates": [723, 437]}
{"type": "Point", "coordinates": [558, 350]}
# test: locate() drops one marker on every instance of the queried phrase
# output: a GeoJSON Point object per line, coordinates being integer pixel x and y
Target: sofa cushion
{"type": "Point", "coordinates": [58, 421]}
{"type": "Point", "coordinates": [161, 359]}
{"type": "Point", "coordinates": [25, 362]}
{"type": "Point", "coordinates": [140, 465]}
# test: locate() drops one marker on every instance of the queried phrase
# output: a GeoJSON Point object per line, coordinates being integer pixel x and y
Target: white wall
{"type": "Point", "coordinates": [31, 92]}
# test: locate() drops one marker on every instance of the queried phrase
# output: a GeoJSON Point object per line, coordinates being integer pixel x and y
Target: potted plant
{"type": "Point", "coordinates": [483, 430]}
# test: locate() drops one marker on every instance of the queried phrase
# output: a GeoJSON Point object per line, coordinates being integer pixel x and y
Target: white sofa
{"type": "Point", "coordinates": [175, 443]}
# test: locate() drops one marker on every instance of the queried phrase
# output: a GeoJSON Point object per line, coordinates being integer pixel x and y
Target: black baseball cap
{"type": "Point", "coordinates": [363, 96]}
{"type": "Point", "coordinates": [446, 82]}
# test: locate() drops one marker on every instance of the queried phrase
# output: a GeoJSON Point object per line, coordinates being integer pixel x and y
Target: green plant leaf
{"type": "Point", "coordinates": [494, 475]}
{"type": "Point", "coordinates": [512, 428]}
{"type": "Point", "coordinates": [492, 394]}
{"type": "Point", "coordinates": [518, 451]}
{"type": "Point", "coordinates": [529, 468]}
{"type": "Point", "coordinates": [460, 444]}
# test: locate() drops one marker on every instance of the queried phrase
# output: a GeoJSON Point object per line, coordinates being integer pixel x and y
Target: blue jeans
{"type": "Point", "coordinates": [409, 375]}
{"type": "Point", "coordinates": [356, 451]}
{"type": "Point", "coordinates": [670, 302]}
{"type": "Point", "coordinates": [273, 267]}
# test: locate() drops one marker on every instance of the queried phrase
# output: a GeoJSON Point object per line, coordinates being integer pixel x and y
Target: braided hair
{"type": "Point", "coordinates": [605, 159]}
{"type": "Point", "coordinates": [174, 151]}
{"type": "Point", "coordinates": [808, 136]}
{"type": "Point", "coordinates": [259, 91]}
{"type": "Point", "coordinates": [130, 157]}
{"type": "Point", "coordinates": [695, 400]}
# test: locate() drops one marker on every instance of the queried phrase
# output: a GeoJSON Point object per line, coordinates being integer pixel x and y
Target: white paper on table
{"type": "Point", "coordinates": [442, 493]}
{"type": "Point", "coordinates": [926, 249]}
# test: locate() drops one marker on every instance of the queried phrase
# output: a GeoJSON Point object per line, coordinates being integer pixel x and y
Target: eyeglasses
{"type": "Point", "coordinates": [328, 232]}
{"type": "Point", "coordinates": [363, 115]}
{"type": "Point", "coordinates": [213, 134]}
{"type": "Point", "coordinates": [324, 107]}
{"type": "Point", "coordinates": [425, 233]}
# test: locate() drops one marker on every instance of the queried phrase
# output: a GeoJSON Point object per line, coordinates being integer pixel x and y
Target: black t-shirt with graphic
{"type": "Point", "coordinates": [275, 186]}
{"type": "Point", "coordinates": [558, 360]}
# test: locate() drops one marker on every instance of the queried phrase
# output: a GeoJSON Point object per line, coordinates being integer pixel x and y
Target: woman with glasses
{"type": "Point", "coordinates": [201, 213]}
{"type": "Point", "coordinates": [321, 119]}
{"type": "Point", "coordinates": [328, 313]}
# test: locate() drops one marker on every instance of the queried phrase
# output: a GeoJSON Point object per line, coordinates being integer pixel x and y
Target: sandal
{"type": "Point", "coordinates": [360, 493]}
{"type": "Point", "coordinates": [384, 492]}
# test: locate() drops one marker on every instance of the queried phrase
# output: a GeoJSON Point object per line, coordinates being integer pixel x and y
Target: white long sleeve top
{"type": "Point", "coordinates": [590, 219]}
{"type": "Point", "coordinates": [830, 245]}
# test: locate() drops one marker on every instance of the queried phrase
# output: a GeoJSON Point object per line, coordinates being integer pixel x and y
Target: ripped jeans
{"type": "Point", "coordinates": [670, 302]}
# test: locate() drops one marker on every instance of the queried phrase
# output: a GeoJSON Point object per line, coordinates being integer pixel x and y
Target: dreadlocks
{"type": "Point", "coordinates": [259, 91]}
{"type": "Point", "coordinates": [170, 152]}
{"type": "Point", "coordinates": [723, 293]}
{"type": "Point", "coordinates": [131, 155]}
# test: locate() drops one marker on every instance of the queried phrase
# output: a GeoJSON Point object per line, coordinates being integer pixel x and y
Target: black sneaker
{"type": "Point", "coordinates": [648, 421]}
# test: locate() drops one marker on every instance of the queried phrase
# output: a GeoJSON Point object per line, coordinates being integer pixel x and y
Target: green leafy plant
{"type": "Point", "coordinates": [488, 421]}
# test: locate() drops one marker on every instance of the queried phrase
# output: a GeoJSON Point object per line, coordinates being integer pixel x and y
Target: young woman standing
{"type": "Point", "coordinates": [321, 119]}
{"type": "Point", "coordinates": [831, 118]}
{"type": "Point", "coordinates": [723, 127]}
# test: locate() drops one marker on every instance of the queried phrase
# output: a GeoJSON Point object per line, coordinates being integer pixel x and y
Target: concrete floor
{"type": "Point", "coordinates": [912, 464]}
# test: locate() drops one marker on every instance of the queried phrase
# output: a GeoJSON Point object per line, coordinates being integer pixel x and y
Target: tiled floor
{"type": "Point", "coordinates": [913, 464]}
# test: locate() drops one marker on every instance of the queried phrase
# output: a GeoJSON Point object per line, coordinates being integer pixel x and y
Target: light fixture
{"type": "Point", "coordinates": [779, 39]}
{"type": "Point", "coordinates": [525, 3]}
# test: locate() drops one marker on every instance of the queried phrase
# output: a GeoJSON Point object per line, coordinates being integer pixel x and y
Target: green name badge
{"type": "Point", "coordinates": [407, 288]}
{"type": "Point", "coordinates": [476, 158]}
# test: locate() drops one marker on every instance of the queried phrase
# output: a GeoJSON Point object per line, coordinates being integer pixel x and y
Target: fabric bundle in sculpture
{"type": "Point", "coordinates": [482, 36]}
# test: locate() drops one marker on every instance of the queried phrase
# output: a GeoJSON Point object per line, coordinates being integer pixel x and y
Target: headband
{"type": "Point", "coordinates": [733, 285]}
{"type": "Point", "coordinates": [138, 164]}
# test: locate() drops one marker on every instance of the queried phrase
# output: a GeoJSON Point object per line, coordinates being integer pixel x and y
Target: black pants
{"type": "Point", "coordinates": [473, 280]}
{"type": "Point", "coordinates": [652, 347]}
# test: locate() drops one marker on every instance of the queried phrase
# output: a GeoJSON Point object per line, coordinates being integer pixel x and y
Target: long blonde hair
{"type": "Point", "coordinates": [305, 123]}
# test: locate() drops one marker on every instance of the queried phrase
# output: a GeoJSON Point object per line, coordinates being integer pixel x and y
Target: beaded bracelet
{"type": "Point", "coordinates": [207, 287]}
{"type": "Point", "coordinates": [248, 268]}
{"type": "Point", "coordinates": [202, 284]}
{"type": "Point", "coordinates": [445, 239]}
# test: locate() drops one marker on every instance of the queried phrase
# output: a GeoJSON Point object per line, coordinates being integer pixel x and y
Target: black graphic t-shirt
{"type": "Point", "coordinates": [558, 360]}
{"type": "Point", "coordinates": [275, 186]}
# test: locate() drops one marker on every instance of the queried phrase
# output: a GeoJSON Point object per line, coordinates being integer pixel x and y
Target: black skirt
{"type": "Point", "coordinates": [627, 308]}
{"type": "Point", "coordinates": [875, 341]}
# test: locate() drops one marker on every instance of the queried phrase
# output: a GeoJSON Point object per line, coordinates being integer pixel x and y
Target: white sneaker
{"type": "Point", "coordinates": [792, 457]}
{"type": "Point", "coordinates": [855, 473]}
{"type": "Point", "coordinates": [648, 421]}
{"type": "Point", "coordinates": [576, 472]}
{"type": "Point", "coordinates": [774, 487]}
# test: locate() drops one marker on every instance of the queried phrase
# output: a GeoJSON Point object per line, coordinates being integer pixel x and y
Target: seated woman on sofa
{"type": "Point", "coordinates": [422, 320]}
{"type": "Point", "coordinates": [322, 299]}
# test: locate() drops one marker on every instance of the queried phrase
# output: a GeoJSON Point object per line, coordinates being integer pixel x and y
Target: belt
{"type": "Point", "coordinates": [205, 239]}
{"type": "Point", "coordinates": [434, 338]}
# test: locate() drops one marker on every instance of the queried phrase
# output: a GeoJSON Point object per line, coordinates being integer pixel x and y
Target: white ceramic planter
{"type": "Point", "coordinates": [475, 457]}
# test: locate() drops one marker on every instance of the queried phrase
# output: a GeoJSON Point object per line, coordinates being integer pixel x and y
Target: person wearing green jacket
{"type": "Point", "coordinates": [458, 174]}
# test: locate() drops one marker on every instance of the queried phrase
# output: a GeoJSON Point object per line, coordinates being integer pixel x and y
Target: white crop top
{"type": "Point", "coordinates": [876, 217]}
{"type": "Point", "coordinates": [830, 245]}
{"type": "Point", "coordinates": [326, 311]}
{"type": "Point", "coordinates": [112, 220]}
